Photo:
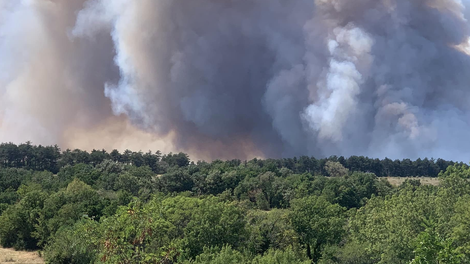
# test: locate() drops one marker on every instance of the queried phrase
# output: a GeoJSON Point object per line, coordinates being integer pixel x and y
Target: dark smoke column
{"type": "Point", "coordinates": [227, 78]}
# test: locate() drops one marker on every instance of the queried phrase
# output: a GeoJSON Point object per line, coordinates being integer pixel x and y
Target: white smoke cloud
{"type": "Point", "coordinates": [337, 93]}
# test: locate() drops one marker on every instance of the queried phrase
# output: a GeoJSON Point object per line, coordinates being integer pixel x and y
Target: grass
{"type": "Point", "coordinates": [9, 256]}
{"type": "Point", "coordinates": [396, 181]}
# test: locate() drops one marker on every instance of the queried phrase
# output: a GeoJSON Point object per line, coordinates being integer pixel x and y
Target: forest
{"type": "Point", "coordinates": [76, 206]}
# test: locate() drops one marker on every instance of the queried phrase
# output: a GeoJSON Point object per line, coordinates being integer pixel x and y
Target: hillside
{"type": "Point", "coordinates": [131, 207]}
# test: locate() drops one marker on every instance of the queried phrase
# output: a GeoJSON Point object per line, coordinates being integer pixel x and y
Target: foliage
{"type": "Point", "coordinates": [19, 220]}
{"type": "Point", "coordinates": [77, 244]}
{"type": "Point", "coordinates": [134, 207]}
{"type": "Point", "coordinates": [431, 248]}
{"type": "Point", "coordinates": [318, 224]}
{"type": "Point", "coordinates": [336, 169]}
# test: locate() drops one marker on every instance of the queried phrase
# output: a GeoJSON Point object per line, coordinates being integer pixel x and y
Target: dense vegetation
{"type": "Point", "coordinates": [50, 158]}
{"type": "Point", "coordinates": [131, 207]}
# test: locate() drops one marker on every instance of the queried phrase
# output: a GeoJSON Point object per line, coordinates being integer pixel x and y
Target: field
{"type": "Point", "coordinates": [8, 256]}
{"type": "Point", "coordinates": [396, 181]}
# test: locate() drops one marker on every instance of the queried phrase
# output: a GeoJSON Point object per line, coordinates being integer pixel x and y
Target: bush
{"type": "Point", "coordinates": [75, 245]}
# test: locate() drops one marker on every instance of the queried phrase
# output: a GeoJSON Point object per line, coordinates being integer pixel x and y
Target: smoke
{"type": "Point", "coordinates": [237, 79]}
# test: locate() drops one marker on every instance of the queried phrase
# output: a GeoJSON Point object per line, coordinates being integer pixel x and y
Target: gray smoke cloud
{"type": "Point", "coordinates": [237, 79]}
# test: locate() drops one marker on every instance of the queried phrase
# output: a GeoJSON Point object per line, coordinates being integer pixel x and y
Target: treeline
{"type": "Point", "coordinates": [51, 158]}
{"type": "Point", "coordinates": [248, 212]}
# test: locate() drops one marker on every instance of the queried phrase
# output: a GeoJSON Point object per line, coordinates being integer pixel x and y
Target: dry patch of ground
{"type": "Point", "coordinates": [9, 256]}
{"type": "Point", "coordinates": [396, 181]}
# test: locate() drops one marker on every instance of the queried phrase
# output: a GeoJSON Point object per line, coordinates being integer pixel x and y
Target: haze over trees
{"type": "Point", "coordinates": [134, 207]}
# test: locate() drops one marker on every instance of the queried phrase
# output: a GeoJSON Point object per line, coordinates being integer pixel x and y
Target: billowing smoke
{"type": "Point", "coordinates": [237, 79]}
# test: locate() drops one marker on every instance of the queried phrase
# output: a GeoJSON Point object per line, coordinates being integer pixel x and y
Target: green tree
{"type": "Point", "coordinates": [431, 248]}
{"type": "Point", "coordinates": [78, 244]}
{"type": "Point", "coordinates": [215, 256]}
{"type": "Point", "coordinates": [318, 223]}
{"type": "Point", "coordinates": [336, 169]}
{"type": "Point", "coordinates": [214, 223]}
{"type": "Point", "coordinates": [18, 221]}
{"type": "Point", "coordinates": [270, 230]}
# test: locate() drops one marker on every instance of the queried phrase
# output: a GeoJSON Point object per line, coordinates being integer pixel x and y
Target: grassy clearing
{"type": "Point", "coordinates": [8, 256]}
{"type": "Point", "coordinates": [396, 181]}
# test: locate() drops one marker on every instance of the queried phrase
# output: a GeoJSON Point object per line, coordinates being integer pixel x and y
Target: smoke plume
{"type": "Point", "coordinates": [238, 79]}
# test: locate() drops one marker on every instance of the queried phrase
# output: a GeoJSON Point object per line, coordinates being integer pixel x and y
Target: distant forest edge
{"type": "Point", "coordinates": [51, 158]}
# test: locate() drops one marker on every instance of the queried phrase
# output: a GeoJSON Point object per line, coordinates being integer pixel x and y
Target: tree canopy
{"type": "Point", "coordinates": [99, 207]}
